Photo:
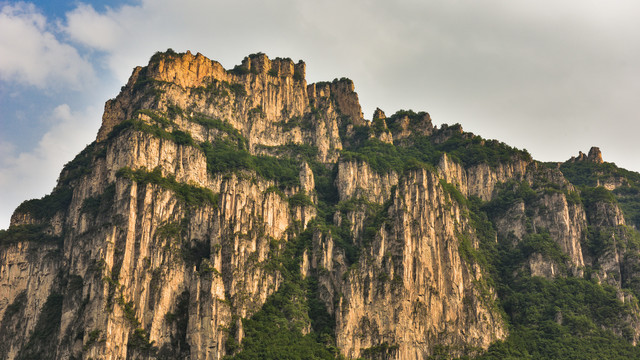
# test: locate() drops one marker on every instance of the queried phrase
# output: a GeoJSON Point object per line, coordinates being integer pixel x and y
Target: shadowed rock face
{"type": "Point", "coordinates": [172, 227]}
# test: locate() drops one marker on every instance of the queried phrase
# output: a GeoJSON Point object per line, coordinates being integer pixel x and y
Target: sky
{"type": "Point", "coordinates": [553, 77]}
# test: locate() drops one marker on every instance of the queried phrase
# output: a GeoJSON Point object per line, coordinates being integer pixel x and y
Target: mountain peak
{"type": "Point", "coordinates": [594, 156]}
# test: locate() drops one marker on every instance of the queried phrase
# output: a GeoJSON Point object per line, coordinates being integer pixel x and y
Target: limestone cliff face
{"type": "Point", "coordinates": [549, 210]}
{"type": "Point", "coordinates": [29, 274]}
{"type": "Point", "coordinates": [480, 180]}
{"type": "Point", "coordinates": [151, 257]}
{"type": "Point", "coordinates": [357, 180]}
{"type": "Point", "coordinates": [171, 230]}
{"type": "Point", "coordinates": [413, 287]}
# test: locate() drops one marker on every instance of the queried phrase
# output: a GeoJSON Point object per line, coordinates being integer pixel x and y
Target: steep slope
{"type": "Point", "coordinates": [247, 214]}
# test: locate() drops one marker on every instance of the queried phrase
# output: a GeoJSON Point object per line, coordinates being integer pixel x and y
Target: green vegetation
{"type": "Point", "coordinates": [177, 136]}
{"type": "Point", "coordinates": [542, 244]}
{"type": "Point", "coordinates": [27, 232]}
{"type": "Point", "coordinates": [298, 75]}
{"type": "Point", "coordinates": [194, 252]}
{"type": "Point", "coordinates": [487, 252]}
{"type": "Point", "coordinates": [382, 351]}
{"type": "Point", "coordinates": [139, 337]}
{"type": "Point", "coordinates": [600, 239]}
{"type": "Point", "coordinates": [174, 111]}
{"type": "Point", "coordinates": [139, 341]}
{"type": "Point", "coordinates": [508, 255]}
{"type": "Point", "coordinates": [562, 319]}
{"type": "Point", "coordinates": [94, 337]}
{"type": "Point", "coordinates": [628, 198]}
{"type": "Point", "coordinates": [381, 156]}
{"type": "Point", "coordinates": [472, 150]}
{"type": "Point", "coordinates": [49, 205]}
{"type": "Point", "coordinates": [224, 156]}
{"type": "Point", "coordinates": [327, 205]}
{"type": "Point", "coordinates": [239, 70]}
{"type": "Point", "coordinates": [190, 194]}
{"type": "Point", "coordinates": [594, 195]}
{"type": "Point", "coordinates": [172, 230]}
{"type": "Point", "coordinates": [227, 154]}
{"type": "Point", "coordinates": [378, 126]}
{"type": "Point", "coordinates": [160, 124]}
{"type": "Point", "coordinates": [393, 122]}
{"type": "Point", "coordinates": [548, 318]}
{"type": "Point", "coordinates": [220, 125]}
{"type": "Point", "coordinates": [169, 54]}
{"type": "Point", "coordinates": [60, 198]}
{"type": "Point", "coordinates": [159, 120]}
{"type": "Point", "coordinates": [256, 112]}
{"type": "Point", "coordinates": [333, 82]}
{"type": "Point", "coordinates": [424, 152]}
{"type": "Point", "coordinates": [275, 332]}
{"type": "Point", "coordinates": [467, 252]}
{"type": "Point", "coordinates": [99, 203]}
{"type": "Point", "coordinates": [237, 89]}
{"type": "Point", "coordinates": [509, 194]}
{"type": "Point", "coordinates": [587, 174]}
{"type": "Point", "coordinates": [304, 123]}
{"type": "Point", "coordinates": [376, 216]}
{"type": "Point", "coordinates": [453, 192]}
{"type": "Point", "coordinates": [300, 200]}
{"type": "Point", "coordinates": [81, 164]}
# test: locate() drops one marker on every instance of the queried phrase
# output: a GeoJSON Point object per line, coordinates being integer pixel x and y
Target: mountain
{"type": "Point", "coordinates": [245, 214]}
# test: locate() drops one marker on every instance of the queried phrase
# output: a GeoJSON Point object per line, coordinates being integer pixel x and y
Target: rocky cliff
{"type": "Point", "coordinates": [244, 213]}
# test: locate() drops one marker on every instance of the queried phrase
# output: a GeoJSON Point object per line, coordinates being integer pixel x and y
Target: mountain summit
{"type": "Point", "coordinates": [246, 214]}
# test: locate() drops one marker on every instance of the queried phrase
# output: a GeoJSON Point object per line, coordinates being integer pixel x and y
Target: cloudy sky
{"type": "Point", "coordinates": [554, 77]}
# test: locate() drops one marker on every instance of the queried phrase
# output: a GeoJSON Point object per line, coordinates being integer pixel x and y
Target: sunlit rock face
{"type": "Point", "coordinates": [174, 226]}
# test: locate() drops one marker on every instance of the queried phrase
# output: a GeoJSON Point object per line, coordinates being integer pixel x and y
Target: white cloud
{"type": "Point", "coordinates": [33, 174]}
{"type": "Point", "coordinates": [32, 55]}
{"type": "Point", "coordinates": [100, 31]}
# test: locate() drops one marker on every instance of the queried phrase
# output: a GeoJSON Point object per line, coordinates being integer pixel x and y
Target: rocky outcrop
{"type": "Point", "coordinates": [594, 156]}
{"type": "Point", "coordinates": [342, 92]}
{"type": "Point", "coordinates": [480, 180]}
{"type": "Point", "coordinates": [356, 179]}
{"type": "Point", "coordinates": [547, 210]}
{"type": "Point", "coordinates": [565, 223]}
